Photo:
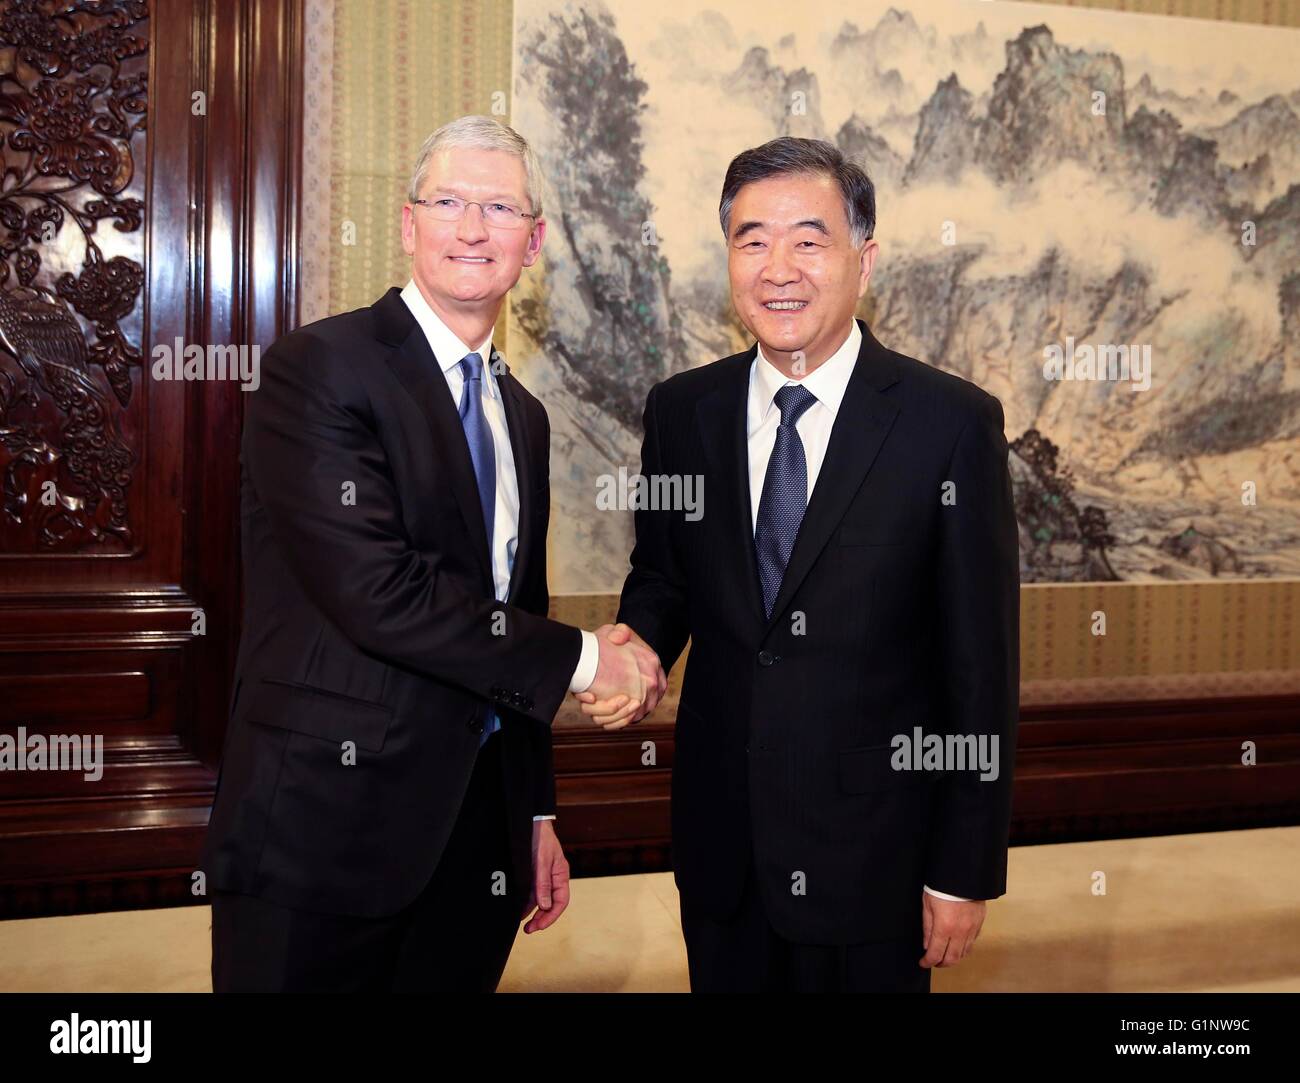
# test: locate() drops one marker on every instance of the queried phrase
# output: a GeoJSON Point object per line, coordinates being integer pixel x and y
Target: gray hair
{"type": "Point", "coordinates": [480, 133]}
{"type": "Point", "coordinates": [788, 155]}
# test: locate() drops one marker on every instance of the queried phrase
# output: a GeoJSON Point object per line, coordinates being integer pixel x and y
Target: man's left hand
{"type": "Point", "coordinates": [549, 894]}
{"type": "Point", "coordinates": [950, 928]}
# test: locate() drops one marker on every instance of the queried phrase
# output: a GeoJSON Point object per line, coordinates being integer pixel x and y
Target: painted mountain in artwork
{"type": "Point", "coordinates": [1029, 193]}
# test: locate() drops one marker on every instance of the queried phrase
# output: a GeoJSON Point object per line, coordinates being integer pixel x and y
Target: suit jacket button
{"type": "Point", "coordinates": [766, 658]}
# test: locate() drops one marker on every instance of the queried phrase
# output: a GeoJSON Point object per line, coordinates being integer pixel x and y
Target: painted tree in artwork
{"type": "Point", "coordinates": [1049, 516]}
{"type": "Point", "coordinates": [616, 332]}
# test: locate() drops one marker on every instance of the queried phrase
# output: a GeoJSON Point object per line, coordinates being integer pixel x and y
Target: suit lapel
{"type": "Point", "coordinates": [520, 446]}
{"type": "Point", "coordinates": [864, 419]}
{"type": "Point", "coordinates": [414, 365]}
{"type": "Point", "coordinates": [721, 418]}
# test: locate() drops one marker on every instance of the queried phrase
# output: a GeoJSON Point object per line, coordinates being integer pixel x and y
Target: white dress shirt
{"type": "Point", "coordinates": [828, 382]}
{"type": "Point", "coordinates": [449, 350]}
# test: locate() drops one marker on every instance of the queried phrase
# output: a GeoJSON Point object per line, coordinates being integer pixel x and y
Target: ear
{"type": "Point", "coordinates": [866, 261]}
{"type": "Point", "coordinates": [408, 229]}
{"type": "Point", "coordinates": [534, 249]}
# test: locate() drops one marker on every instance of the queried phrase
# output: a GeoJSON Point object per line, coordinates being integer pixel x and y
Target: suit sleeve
{"type": "Point", "coordinates": [978, 591]}
{"type": "Point", "coordinates": [653, 602]}
{"type": "Point", "coordinates": [310, 441]}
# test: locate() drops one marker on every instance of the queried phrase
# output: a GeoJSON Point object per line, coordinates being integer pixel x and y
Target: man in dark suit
{"type": "Point", "coordinates": [851, 598]}
{"type": "Point", "coordinates": [384, 810]}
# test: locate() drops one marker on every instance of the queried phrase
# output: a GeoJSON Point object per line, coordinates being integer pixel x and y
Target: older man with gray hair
{"type": "Point", "coordinates": [855, 580]}
{"type": "Point", "coordinates": [384, 814]}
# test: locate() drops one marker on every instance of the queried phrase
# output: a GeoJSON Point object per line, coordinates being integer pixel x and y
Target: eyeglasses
{"type": "Point", "coordinates": [452, 208]}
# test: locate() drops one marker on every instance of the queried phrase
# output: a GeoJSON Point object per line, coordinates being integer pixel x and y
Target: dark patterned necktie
{"type": "Point", "coordinates": [785, 495]}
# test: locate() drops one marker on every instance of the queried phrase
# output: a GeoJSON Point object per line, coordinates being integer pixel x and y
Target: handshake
{"type": "Point", "coordinates": [629, 682]}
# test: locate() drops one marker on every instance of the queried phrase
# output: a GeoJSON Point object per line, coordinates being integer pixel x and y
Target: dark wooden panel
{"type": "Point", "coordinates": [72, 408]}
{"type": "Point", "coordinates": [193, 237]}
{"type": "Point", "coordinates": [1083, 771]}
{"type": "Point", "coordinates": [46, 701]}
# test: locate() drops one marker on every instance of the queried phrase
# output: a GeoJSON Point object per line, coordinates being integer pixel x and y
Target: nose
{"type": "Point", "coordinates": [471, 228]}
{"type": "Point", "coordinates": [779, 269]}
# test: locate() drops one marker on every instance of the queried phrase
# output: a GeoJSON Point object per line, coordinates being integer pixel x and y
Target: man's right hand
{"type": "Point", "coordinates": [619, 683]}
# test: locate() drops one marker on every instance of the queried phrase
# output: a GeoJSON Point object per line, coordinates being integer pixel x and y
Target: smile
{"type": "Point", "coordinates": [471, 259]}
{"type": "Point", "coordinates": [784, 306]}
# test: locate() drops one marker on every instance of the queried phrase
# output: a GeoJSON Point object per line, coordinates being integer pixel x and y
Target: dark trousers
{"type": "Point", "coordinates": [746, 955]}
{"type": "Point", "coordinates": [455, 937]}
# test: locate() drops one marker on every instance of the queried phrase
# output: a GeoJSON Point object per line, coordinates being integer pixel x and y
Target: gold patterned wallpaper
{"type": "Point", "coordinates": [382, 74]}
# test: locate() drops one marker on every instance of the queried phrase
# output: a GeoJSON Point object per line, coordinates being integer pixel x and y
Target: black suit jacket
{"type": "Point", "coordinates": [896, 611]}
{"type": "Point", "coordinates": [369, 617]}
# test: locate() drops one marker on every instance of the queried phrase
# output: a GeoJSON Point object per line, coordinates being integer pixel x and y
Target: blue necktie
{"type": "Point", "coordinates": [483, 455]}
{"type": "Point", "coordinates": [479, 438]}
{"type": "Point", "coordinates": [785, 495]}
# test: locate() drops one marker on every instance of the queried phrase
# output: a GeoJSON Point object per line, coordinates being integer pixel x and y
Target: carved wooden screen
{"type": "Point", "coordinates": [145, 203]}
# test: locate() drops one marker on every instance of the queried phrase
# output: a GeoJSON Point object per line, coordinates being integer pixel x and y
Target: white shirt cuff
{"type": "Point", "coordinates": [944, 895]}
{"type": "Point", "coordinates": [588, 661]}
{"type": "Point", "coordinates": [546, 816]}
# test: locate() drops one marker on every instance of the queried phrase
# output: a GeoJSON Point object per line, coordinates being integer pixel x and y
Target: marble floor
{"type": "Point", "coordinates": [1214, 912]}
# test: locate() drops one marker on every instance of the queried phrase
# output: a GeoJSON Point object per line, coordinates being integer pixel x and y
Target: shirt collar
{"type": "Point", "coordinates": [447, 348]}
{"type": "Point", "coordinates": [828, 381]}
